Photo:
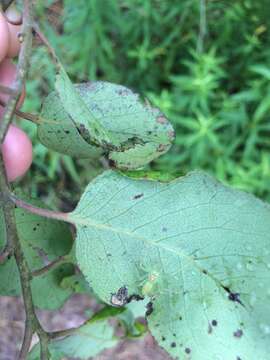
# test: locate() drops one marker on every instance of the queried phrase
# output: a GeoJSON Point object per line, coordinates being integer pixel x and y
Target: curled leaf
{"type": "Point", "coordinates": [88, 119]}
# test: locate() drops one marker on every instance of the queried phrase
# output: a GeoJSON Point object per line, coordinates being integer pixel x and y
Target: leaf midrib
{"type": "Point", "coordinates": [78, 221]}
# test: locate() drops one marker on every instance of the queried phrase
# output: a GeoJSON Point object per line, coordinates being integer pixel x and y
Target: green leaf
{"type": "Point", "coordinates": [198, 249]}
{"type": "Point", "coordinates": [47, 290]}
{"type": "Point", "coordinates": [88, 119]}
{"type": "Point", "coordinates": [75, 106]}
{"type": "Point", "coordinates": [42, 238]}
{"type": "Point", "coordinates": [43, 241]}
{"type": "Point", "coordinates": [88, 340]}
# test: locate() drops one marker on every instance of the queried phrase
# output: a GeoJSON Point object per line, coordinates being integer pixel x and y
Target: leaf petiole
{"type": "Point", "coordinates": [51, 214]}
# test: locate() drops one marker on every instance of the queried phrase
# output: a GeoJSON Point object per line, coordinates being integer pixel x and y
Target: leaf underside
{"type": "Point", "coordinates": [198, 249]}
{"type": "Point", "coordinates": [91, 119]}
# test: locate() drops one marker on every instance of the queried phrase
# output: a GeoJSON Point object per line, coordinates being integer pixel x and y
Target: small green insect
{"type": "Point", "coordinates": [150, 286]}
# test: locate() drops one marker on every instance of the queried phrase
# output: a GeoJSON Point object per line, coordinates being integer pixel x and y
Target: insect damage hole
{"type": "Point", "coordinates": [121, 297]}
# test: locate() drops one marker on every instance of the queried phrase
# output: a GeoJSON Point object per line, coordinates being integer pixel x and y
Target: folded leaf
{"type": "Point", "coordinates": [88, 119]}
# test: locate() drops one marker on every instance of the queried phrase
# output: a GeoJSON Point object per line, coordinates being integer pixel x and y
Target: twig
{"type": "Point", "coordinates": [8, 214]}
{"type": "Point", "coordinates": [13, 243]}
{"type": "Point", "coordinates": [45, 42]}
{"type": "Point", "coordinates": [44, 342]}
{"type": "Point", "coordinates": [59, 261]}
{"type": "Point", "coordinates": [22, 68]}
{"type": "Point", "coordinates": [65, 332]}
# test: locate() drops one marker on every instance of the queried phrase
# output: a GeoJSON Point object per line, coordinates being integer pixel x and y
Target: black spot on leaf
{"type": "Point", "coordinates": [214, 322]}
{"type": "Point", "coordinates": [233, 296]}
{"type": "Point", "coordinates": [135, 297]}
{"type": "Point", "coordinates": [138, 196]}
{"type": "Point", "coordinates": [149, 309]}
{"type": "Point", "coordinates": [187, 350]}
{"type": "Point", "coordinates": [173, 344]}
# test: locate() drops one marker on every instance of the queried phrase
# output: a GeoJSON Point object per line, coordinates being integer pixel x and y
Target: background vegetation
{"type": "Point", "coordinates": [206, 64]}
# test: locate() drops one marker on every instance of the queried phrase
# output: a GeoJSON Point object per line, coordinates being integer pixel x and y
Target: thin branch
{"type": "Point", "coordinates": [13, 243]}
{"type": "Point", "coordinates": [66, 332]}
{"type": "Point", "coordinates": [63, 333]}
{"type": "Point", "coordinates": [44, 344]}
{"type": "Point", "coordinates": [22, 67]}
{"type": "Point", "coordinates": [55, 263]}
{"type": "Point", "coordinates": [8, 214]}
{"type": "Point", "coordinates": [45, 42]}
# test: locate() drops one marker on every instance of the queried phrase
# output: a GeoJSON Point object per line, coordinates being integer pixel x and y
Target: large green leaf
{"type": "Point", "coordinates": [88, 119]}
{"type": "Point", "coordinates": [200, 250]}
{"type": "Point", "coordinates": [43, 240]}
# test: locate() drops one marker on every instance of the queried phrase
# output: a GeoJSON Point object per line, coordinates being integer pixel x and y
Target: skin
{"type": "Point", "coordinates": [4, 37]}
{"type": "Point", "coordinates": [17, 153]}
{"type": "Point", "coordinates": [16, 148]}
{"type": "Point", "coordinates": [7, 76]}
{"type": "Point", "coordinates": [14, 44]}
{"type": "Point", "coordinates": [13, 16]}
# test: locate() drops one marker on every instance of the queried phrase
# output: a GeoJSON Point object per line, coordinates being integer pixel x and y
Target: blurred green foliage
{"type": "Point", "coordinates": [206, 64]}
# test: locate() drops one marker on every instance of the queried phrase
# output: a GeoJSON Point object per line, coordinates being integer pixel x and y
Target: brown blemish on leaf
{"type": "Point", "coordinates": [238, 333]}
{"type": "Point", "coordinates": [123, 92]}
{"type": "Point", "coordinates": [161, 148]}
{"type": "Point", "coordinates": [210, 329]}
{"type": "Point", "coordinates": [162, 120]}
{"type": "Point", "coordinates": [171, 134]}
